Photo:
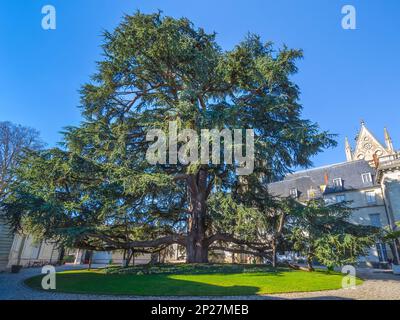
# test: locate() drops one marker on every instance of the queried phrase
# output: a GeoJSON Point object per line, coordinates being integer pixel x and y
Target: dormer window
{"type": "Point", "coordinates": [366, 177]}
{"type": "Point", "coordinates": [294, 193]}
{"type": "Point", "coordinates": [338, 183]}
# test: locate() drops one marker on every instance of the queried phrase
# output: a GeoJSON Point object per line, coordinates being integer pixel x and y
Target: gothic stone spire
{"type": "Point", "coordinates": [388, 141]}
{"type": "Point", "coordinates": [349, 152]}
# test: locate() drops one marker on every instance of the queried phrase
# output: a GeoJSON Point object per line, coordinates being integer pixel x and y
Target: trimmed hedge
{"type": "Point", "coordinates": [190, 269]}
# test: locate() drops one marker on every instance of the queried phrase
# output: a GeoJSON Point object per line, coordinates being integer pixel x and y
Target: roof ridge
{"type": "Point", "coordinates": [327, 166]}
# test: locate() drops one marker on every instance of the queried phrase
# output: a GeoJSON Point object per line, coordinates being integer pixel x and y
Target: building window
{"type": "Point", "coordinates": [340, 198]}
{"type": "Point", "coordinates": [382, 252]}
{"type": "Point", "coordinates": [338, 182]}
{"type": "Point", "coordinates": [366, 177]}
{"type": "Point", "coordinates": [371, 197]}
{"type": "Point", "coordinates": [375, 220]}
{"type": "Point", "coordinates": [294, 193]}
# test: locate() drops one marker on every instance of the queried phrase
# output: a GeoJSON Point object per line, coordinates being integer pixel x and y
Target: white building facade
{"type": "Point", "coordinates": [24, 250]}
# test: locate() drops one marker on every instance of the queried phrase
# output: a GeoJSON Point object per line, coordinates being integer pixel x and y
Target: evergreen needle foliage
{"type": "Point", "coordinates": [98, 192]}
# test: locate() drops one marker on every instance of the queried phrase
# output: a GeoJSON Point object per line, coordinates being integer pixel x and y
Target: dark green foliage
{"type": "Point", "coordinates": [342, 249]}
{"type": "Point", "coordinates": [209, 268]}
{"type": "Point", "coordinates": [324, 232]}
{"type": "Point", "coordinates": [99, 192]}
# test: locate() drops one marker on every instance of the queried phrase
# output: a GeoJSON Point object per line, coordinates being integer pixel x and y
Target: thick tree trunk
{"type": "Point", "coordinates": [276, 239]}
{"type": "Point", "coordinates": [196, 251]}
{"type": "Point", "coordinates": [196, 246]}
{"type": "Point", "coordinates": [196, 243]}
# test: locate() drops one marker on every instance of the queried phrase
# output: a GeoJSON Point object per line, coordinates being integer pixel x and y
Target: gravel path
{"type": "Point", "coordinates": [377, 285]}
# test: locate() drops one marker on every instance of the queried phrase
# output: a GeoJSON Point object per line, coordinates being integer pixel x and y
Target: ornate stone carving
{"type": "Point", "coordinates": [367, 145]}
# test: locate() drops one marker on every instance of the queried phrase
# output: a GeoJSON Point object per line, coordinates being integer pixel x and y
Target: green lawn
{"type": "Point", "coordinates": [277, 281]}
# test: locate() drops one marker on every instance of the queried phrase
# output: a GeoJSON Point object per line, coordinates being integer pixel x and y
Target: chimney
{"type": "Point", "coordinates": [376, 160]}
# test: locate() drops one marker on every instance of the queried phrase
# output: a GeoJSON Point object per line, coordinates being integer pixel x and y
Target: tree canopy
{"type": "Point", "coordinates": [99, 192]}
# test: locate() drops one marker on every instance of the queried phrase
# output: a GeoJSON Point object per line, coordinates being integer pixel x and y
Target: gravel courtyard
{"type": "Point", "coordinates": [378, 285]}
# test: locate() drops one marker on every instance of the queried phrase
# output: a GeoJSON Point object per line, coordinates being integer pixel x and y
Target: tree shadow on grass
{"type": "Point", "coordinates": [84, 282]}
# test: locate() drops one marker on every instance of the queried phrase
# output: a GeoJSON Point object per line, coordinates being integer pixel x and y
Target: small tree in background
{"type": "Point", "coordinates": [323, 232]}
{"type": "Point", "coordinates": [342, 249]}
{"type": "Point", "coordinates": [15, 142]}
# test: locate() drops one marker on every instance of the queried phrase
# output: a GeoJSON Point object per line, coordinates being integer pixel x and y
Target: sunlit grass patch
{"type": "Point", "coordinates": [212, 284]}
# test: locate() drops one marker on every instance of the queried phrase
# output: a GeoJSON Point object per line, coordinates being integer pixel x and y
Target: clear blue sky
{"type": "Point", "coordinates": [346, 75]}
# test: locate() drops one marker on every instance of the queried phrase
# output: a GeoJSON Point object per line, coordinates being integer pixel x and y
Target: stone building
{"type": "Point", "coordinates": [369, 178]}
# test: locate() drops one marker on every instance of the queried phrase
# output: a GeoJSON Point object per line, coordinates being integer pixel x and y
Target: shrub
{"type": "Point", "coordinates": [189, 269]}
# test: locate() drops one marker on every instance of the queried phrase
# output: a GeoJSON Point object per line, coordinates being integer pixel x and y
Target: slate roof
{"type": "Point", "coordinates": [349, 172]}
